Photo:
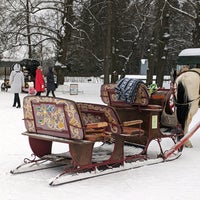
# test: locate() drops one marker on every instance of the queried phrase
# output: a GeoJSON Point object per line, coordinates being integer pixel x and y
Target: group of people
{"type": "Point", "coordinates": [17, 83]}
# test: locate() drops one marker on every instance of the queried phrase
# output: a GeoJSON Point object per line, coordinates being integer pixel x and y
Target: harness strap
{"type": "Point", "coordinates": [189, 102]}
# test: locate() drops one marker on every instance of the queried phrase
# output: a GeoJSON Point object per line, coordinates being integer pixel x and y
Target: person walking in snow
{"type": "Point", "coordinates": [39, 81]}
{"type": "Point", "coordinates": [50, 82]}
{"type": "Point", "coordinates": [17, 83]}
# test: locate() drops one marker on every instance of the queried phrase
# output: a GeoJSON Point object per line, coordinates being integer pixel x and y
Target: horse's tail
{"type": "Point", "coordinates": [182, 104]}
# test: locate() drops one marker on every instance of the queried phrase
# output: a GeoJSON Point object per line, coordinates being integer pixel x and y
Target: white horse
{"type": "Point", "coordinates": [187, 95]}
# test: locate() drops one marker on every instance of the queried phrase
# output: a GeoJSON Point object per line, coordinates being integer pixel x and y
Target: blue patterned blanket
{"type": "Point", "coordinates": [126, 89]}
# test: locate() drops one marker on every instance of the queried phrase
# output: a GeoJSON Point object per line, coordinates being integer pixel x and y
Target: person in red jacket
{"type": "Point", "coordinates": [39, 81]}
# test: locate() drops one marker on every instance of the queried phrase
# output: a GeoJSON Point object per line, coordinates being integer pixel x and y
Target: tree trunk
{"type": "Point", "coordinates": [108, 44]}
{"type": "Point", "coordinates": [28, 29]}
{"type": "Point", "coordinates": [196, 32]}
{"type": "Point", "coordinates": [64, 41]}
{"type": "Point", "coordinates": [161, 34]}
{"type": "Point", "coordinates": [150, 71]}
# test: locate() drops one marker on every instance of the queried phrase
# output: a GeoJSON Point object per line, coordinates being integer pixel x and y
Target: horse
{"type": "Point", "coordinates": [187, 95]}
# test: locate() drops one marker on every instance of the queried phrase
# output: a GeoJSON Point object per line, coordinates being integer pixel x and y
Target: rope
{"type": "Point", "coordinates": [189, 102]}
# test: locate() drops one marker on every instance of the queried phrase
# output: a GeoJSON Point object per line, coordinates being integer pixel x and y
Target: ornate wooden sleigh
{"type": "Point", "coordinates": [145, 106]}
{"type": "Point", "coordinates": [101, 138]}
{"type": "Point", "coordinates": [78, 124]}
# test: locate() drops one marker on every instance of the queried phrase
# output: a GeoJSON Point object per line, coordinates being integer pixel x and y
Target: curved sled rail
{"type": "Point", "coordinates": [183, 140]}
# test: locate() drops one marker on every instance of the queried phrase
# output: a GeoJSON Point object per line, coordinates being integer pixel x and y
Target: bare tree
{"type": "Point", "coordinates": [118, 34]}
{"type": "Point", "coordinates": [194, 15]}
{"type": "Point", "coordinates": [91, 37]}
{"type": "Point", "coordinates": [43, 23]}
{"type": "Point", "coordinates": [159, 45]}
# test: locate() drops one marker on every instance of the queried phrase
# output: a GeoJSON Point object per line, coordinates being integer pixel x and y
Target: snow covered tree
{"type": "Point", "coordinates": [191, 10]}
{"type": "Point", "coordinates": [37, 25]}
{"type": "Point", "coordinates": [91, 37]}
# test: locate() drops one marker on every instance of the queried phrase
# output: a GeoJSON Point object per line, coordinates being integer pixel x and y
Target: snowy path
{"type": "Point", "coordinates": [176, 180]}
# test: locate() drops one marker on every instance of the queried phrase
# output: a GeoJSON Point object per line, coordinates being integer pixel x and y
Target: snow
{"type": "Point", "coordinates": [15, 54]}
{"type": "Point", "coordinates": [190, 52]}
{"type": "Point", "coordinates": [175, 180]}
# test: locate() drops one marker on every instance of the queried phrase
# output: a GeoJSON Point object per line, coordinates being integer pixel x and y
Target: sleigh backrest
{"type": "Point", "coordinates": [110, 96]}
{"type": "Point", "coordinates": [52, 116]}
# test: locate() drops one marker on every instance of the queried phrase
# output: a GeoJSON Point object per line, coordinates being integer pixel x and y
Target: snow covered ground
{"type": "Point", "coordinates": [175, 180]}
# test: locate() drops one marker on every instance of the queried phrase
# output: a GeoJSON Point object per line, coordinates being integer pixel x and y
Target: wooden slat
{"type": "Point", "coordinates": [96, 125]}
{"type": "Point", "coordinates": [52, 138]}
{"type": "Point", "coordinates": [133, 122]}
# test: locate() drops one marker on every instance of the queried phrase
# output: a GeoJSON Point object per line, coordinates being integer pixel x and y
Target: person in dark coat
{"type": "Point", "coordinates": [17, 83]}
{"type": "Point", "coordinates": [39, 81]}
{"type": "Point", "coordinates": [50, 82]}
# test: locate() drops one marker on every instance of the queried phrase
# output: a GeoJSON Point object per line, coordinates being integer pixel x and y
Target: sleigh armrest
{"type": "Point", "coordinates": [96, 125]}
{"type": "Point", "coordinates": [96, 132]}
{"type": "Point", "coordinates": [133, 122]}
